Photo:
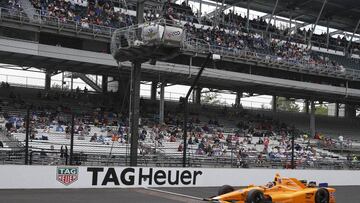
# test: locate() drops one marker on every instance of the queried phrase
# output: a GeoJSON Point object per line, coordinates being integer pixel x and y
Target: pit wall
{"type": "Point", "coordinates": [33, 177]}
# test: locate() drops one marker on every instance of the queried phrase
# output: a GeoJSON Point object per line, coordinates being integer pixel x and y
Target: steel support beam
{"type": "Point", "coordinates": [239, 95]}
{"type": "Point", "coordinates": [290, 23]}
{"type": "Point", "coordinates": [104, 83]}
{"type": "Point", "coordinates": [198, 95]}
{"type": "Point", "coordinates": [134, 111]}
{"type": "Point", "coordinates": [185, 103]}
{"type": "Point", "coordinates": [274, 104]}
{"type": "Point", "coordinates": [162, 102]}
{"type": "Point", "coordinates": [350, 110]}
{"type": "Point", "coordinates": [337, 105]}
{"type": "Point", "coordinates": [248, 14]}
{"type": "Point", "coordinates": [312, 119]}
{"type": "Point", "coordinates": [153, 90]}
{"type": "Point", "coordinates": [72, 138]}
{"type": "Point", "coordinates": [135, 96]}
{"type": "Point", "coordinates": [272, 15]}
{"type": "Point", "coordinates": [298, 25]}
{"type": "Point", "coordinates": [353, 34]}
{"type": "Point", "coordinates": [307, 103]}
{"type": "Point", "coordinates": [47, 80]}
{"type": "Point", "coordinates": [316, 22]}
{"type": "Point", "coordinates": [27, 136]}
{"type": "Point", "coordinates": [336, 32]}
{"type": "Point", "coordinates": [200, 8]}
{"type": "Point", "coordinates": [327, 32]}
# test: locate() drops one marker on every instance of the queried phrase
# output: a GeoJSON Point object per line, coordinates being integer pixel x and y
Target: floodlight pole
{"type": "Point", "coordinates": [186, 105]}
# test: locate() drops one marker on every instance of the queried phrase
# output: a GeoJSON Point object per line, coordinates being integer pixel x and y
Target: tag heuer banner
{"type": "Point", "coordinates": [67, 175]}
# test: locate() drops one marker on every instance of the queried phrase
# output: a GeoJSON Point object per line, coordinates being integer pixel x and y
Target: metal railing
{"type": "Point", "coordinates": [197, 45]}
{"type": "Point", "coordinates": [161, 157]}
{"type": "Point", "coordinates": [56, 23]}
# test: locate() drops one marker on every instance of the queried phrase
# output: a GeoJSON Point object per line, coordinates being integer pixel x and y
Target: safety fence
{"type": "Point", "coordinates": [93, 154]}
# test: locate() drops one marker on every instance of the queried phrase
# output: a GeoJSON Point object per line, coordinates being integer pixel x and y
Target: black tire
{"type": "Point", "coordinates": [225, 189]}
{"type": "Point", "coordinates": [322, 196]}
{"type": "Point", "coordinates": [255, 196]}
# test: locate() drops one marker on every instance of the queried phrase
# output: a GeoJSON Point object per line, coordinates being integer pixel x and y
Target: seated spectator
{"type": "Point", "coordinates": [59, 128]}
{"type": "Point", "coordinates": [81, 136]}
{"type": "Point", "coordinates": [181, 147]}
{"type": "Point", "coordinates": [93, 138]}
{"type": "Point", "coordinates": [101, 139]}
{"type": "Point", "coordinates": [172, 138]}
{"type": "Point", "coordinates": [190, 142]}
{"type": "Point", "coordinates": [206, 128]}
{"type": "Point", "coordinates": [115, 137]}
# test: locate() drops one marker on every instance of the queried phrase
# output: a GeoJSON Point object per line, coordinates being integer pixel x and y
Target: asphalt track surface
{"type": "Point", "coordinates": [348, 194]}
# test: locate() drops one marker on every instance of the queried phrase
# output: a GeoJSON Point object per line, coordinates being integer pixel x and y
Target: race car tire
{"type": "Point", "coordinates": [225, 189]}
{"type": "Point", "coordinates": [322, 196]}
{"type": "Point", "coordinates": [255, 196]}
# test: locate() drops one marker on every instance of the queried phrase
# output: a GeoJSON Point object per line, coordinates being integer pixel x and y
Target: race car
{"type": "Point", "coordinates": [281, 190]}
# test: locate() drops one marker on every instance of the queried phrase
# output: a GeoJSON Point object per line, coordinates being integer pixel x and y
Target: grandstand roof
{"type": "Point", "coordinates": [342, 14]}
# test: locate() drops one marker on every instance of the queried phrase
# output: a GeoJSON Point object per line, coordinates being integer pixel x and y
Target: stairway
{"type": "Point", "coordinates": [88, 81]}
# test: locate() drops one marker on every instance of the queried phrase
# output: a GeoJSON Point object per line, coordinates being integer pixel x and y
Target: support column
{"type": "Point", "coordinates": [200, 8]}
{"type": "Point", "coordinates": [312, 120]}
{"type": "Point", "coordinates": [307, 103]}
{"type": "Point", "coordinates": [47, 80]}
{"type": "Point", "coordinates": [62, 81]}
{"type": "Point", "coordinates": [134, 111]}
{"type": "Point", "coordinates": [327, 33]}
{"type": "Point", "coordinates": [337, 105]}
{"type": "Point", "coordinates": [72, 82]}
{"type": "Point", "coordinates": [274, 104]}
{"type": "Point", "coordinates": [352, 36]}
{"type": "Point", "coordinates": [350, 110]}
{"type": "Point", "coordinates": [162, 102]}
{"type": "Point", "coordinates": [290, 23]}
{"type": "Point", "coordinates": [198, 95]}
{"type": "Point", "coordinates": [272, 15]}
{"type": "Point", "coordinates": [119, 86]}
{"type": "Point", "coordinates": [135, 96]}
{"type": "Point", "coordinates": [248, 15]}
{"type": "Point", "coordinates": [153, 90]}
{"type": "Point", "coordinates": [104, 84]}
{"type": "Point", "coordinates": [239, 95]}
{"type": "Point", "coordinates": [316, 22]}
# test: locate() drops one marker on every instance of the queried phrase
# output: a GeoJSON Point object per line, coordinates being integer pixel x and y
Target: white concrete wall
{"type": "Point", "coordinates": [27, 177]}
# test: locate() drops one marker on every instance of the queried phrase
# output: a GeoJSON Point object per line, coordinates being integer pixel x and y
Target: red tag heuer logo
{"type": "Point", "coordinates": [67, 175]}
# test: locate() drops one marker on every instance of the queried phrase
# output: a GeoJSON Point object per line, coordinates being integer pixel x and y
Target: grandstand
{"type": "Point", "coordinates": [166, 43]}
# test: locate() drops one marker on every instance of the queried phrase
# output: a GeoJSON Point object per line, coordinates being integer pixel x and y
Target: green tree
{"type": "Point", "coordinates": [210, 98]}
{"type": "Point", "coordinates": [284, 104]}
{"type": "Point", "coordinates": [321, 110]}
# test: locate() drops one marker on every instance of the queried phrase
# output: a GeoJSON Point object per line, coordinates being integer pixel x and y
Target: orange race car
{"type": "Point", "coordinates": [281, 190]}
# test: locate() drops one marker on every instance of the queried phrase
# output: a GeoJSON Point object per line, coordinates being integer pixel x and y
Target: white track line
{"type": "Point", "coordinates": [174, 193]}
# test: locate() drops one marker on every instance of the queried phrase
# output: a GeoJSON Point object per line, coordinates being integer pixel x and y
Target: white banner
{"type": "Point", "coordinates": [19, 177]}
{"type": "Point", "coordinates": [152, 33]}
{"type": "Point", "coordinates": [173, 35]}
